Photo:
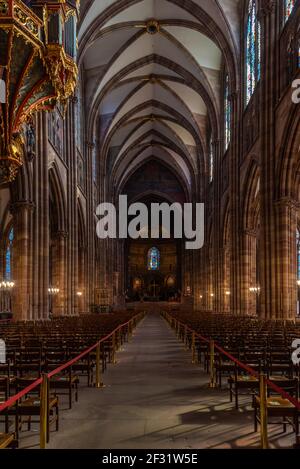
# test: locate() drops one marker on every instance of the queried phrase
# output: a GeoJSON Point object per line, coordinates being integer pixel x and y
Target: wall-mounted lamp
{"type": "Point", "coordinates": [7, 285]}
{"type": "Point", "coordinates": [53, 291]}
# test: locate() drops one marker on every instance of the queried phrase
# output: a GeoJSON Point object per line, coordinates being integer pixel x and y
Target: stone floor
{"type": "Point", "coordinates": [156, 399]}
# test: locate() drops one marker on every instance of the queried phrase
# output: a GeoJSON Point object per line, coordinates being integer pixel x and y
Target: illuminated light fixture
{"type": "Point", "coordinates": [7, 285]}
{"type": "Point", "coordinates": [53, 291]}
{"type": "Point", "coordinates": [298, 283]}
{"type": "Point", "coordinates": [212, 295]}
{"type": "Point", "coordinates": [228, 293]}
{"type": "Point", "coordinates": [79, 293]}
{"type": "Point", "coordinates": [254, 289]}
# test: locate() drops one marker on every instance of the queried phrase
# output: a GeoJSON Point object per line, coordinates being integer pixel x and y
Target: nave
{"type": "Point", "coordinates": [156, 399]}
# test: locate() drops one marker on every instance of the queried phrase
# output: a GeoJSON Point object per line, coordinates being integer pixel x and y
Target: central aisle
{"type": "Point", "coordinates": [154, 398]}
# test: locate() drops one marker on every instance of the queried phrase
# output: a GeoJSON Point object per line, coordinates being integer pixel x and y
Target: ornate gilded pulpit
{"type": "Point", "coordinates": [38, 46]}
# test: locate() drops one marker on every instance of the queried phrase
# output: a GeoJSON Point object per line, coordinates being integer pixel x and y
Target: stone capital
{"type": "Point", "coordinates": [17, 207]}
{"type": "Point", "coordinates": [249, 232]}
{"type": "Point", "coordinates": [61, 235]}
{"type": "Point", "coordinates": [91, 145]}
{"type": "Point", "coordinates": [267, 8]}
{"type": "Point", "coordinates": [287, 202]}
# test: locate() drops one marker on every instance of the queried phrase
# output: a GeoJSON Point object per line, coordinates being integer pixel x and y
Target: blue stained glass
{"type": "Point", "coordinates": [288, 8]}
{"type": "Point", "coordinates": [153, 259]}
{"type": "Point", "coordinates": [258, 50]}
{"type": "Point", "coordinates": [253, 50]}
{"type": "Point", "coordinates": [8, 255]}
{"type": "Point", "coordinates": [227, 113]}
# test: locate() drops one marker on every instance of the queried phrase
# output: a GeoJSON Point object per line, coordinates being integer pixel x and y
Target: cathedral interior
{"type": "Point", "coordinates": [176, 102]}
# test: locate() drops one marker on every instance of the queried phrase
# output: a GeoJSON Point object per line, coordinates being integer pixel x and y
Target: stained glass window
{"type": "Point", "coordinates": [153, 259]}
{"type": "Point", "coordinates": [227, 113]}
{"type": "Point", "coordinates": [8, 256]}
{"type": "Point", "coordinates": [288, 8]}
{"type": "Point", "coordinates": [253, 50]}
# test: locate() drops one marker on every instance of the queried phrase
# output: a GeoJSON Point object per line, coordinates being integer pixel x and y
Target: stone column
{"type": "Point", "coordinates": [286, 295]}
{"type": "Point", "coordinates": [247, 269]}
{"type": "Point", "coordinates": [234, 208]}
{"type": "Point", "coordinates": [72, 212]}
{"type": "Point", "coordinates": [40, 226]}
{"type": "Point", "coordinates": [268, 298]}
{"type": "Point", "coordinates": [91, 280]}
{"type": "Point", "coordinates": [59, 274]}
{"type": "Point", "coordinates": [21, 260]}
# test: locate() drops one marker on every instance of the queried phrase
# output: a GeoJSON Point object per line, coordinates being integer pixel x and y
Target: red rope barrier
{"type": "Point", "coordinates": [86, 352]}
{"type": "Point", "coordinates": [247, 368]}
{"type": "Point", "coordinates": [10, 402]}
{"type": "Point", "coordinates": [71, 362]}
{"type": "Point", "coordinates": [284, 394]}
{"type": "Point", "coordinates": [238, 362]}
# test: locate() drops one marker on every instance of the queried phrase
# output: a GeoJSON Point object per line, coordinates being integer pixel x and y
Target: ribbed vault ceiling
{"type": "Point", "coordinates": [153, 71]}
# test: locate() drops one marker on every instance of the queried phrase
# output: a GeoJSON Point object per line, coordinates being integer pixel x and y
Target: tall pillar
{"type": "Point", "coordinates": [269, 307]}
{"type": "Point", "coordinates": [234, 208]}
{"type": "Point", "coordinates": [40, 225]}
{"type": "Point", "coordinates": [286, 294]}
{"type": "Point", "coordinates": [248, 253]}
{"type": "Point", "coordinates": [91, 280]}
{"type": "Point", "coordinates": [21, 300]}
{"type": "Point", "coordinates": [72, 212]}
{"type": "Point", "coordinates": [59, 274]}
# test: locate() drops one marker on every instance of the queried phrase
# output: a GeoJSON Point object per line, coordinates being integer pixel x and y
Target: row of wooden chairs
{"type": "Point", "coordinates": [37, 348]}
{"type": "Point", "coordinates": [264, 346]}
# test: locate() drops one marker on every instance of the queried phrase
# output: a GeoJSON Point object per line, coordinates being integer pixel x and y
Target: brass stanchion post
{"type": "Point", "coordinates": [113, 358]}
{"type": "Point", "coordinates": [194, 355]}
{"type": "Point", "coordinates": [185, 337]}
{"type": "Point", "coordinates": [118, 340]}
{"type": "Point", "coordinates": [99, 384]}
{"type": "Point", "coordinates": [177, 329]}
{"type": "Point", "coordinates": [263, 411]}
{"type": "Point", "coordinates": [212, 383]}
{"type": "Point", "coordinates": [44, 411]}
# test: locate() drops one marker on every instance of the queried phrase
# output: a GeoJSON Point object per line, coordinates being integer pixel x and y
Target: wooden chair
{"type": "Point", "coordinates": [4, 395]}
{"type": "Point", "coordinates": [241, 382]}
{"type": "Point", "coordinates": [224, 366]}
{"type": "Point", "coordinates": [30, 407]}
{"type": "Point", "coordinates": [278, 407]}
{"type": "Point", "coordinates": [66, 383]}
{"type": "Point", "coordinates": [8, 440]}
{"type": "Point", "coordinates": [84, 367]}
